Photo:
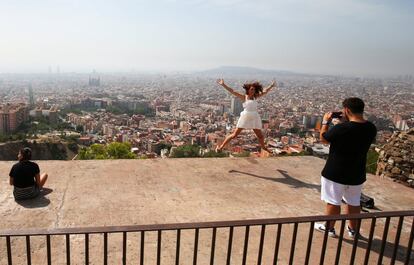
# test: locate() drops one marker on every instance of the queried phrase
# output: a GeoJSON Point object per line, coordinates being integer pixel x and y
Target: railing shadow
{"type": "Point", "coordinates": [388, 250]}
{"type": "Point", "coordinates": [367, 210]}
{"type": "Point", "coordinates": [287, 180]}
{"type": "Point", "coordinates": [38, 202]}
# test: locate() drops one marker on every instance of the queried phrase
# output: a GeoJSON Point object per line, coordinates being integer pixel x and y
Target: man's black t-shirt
{"type": "Point", "coordinates": [23, 174]}
{"type": "Point", "coordinates": [347, 158]}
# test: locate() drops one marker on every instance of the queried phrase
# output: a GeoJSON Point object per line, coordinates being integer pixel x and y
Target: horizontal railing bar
{"type": "Point", "coordinates": [200, 225]}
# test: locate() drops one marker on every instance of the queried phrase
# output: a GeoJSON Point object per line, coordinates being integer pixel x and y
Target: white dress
{"type": "Point", "coordinates": [249, 117]}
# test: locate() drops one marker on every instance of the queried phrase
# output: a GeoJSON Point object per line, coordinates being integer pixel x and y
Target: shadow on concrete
{"type": "Point", "coordinates": [252, 160]}
{"type": "Point", "coordinates": [368, 210]}
{"type": "Point", "coordinates": [401, 254]}
{"type": "Point", "coordinates": [38, 202]}
{"type": "Point", "coordinates": [287, 180]}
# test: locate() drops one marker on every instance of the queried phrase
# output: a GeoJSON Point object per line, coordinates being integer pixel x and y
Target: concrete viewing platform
{"type": "Point", "coordinates": [156, 191]}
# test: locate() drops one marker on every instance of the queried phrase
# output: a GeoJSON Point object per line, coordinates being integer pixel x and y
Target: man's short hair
{"type": "Point", "coordinates": [26, 153]}
{"type": "Point", "coordinates": [356, 105]}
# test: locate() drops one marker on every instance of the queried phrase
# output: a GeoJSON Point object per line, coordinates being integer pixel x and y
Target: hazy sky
{"type": "Point", "coordinates": [315, 36]}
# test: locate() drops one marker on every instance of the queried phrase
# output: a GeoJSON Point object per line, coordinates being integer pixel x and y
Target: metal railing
{"type": "Point", "coordinates": [399, 224]}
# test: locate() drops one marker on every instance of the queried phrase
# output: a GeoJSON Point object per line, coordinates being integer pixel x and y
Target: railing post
{"type": "Point", "coordinates": [384, 240]}
{"type": "Point", "coordinates": [340, 239]}
{"type": "Point", "coordinates": [355, 244]}
{"type": "Point", "coordinates": [9, 253]}
{"type": "Point", "coordinates": [246, 244]}
{"type": "Point", "coordinates": [371, 236]}
{"type": "Point", "coordinates": [325, 240]}
{"type": "Point", "coordinates": [308, 248]}
{"type": "Point", "coordinates": [49, 254]}
{"type": "Point", "coordinates": [229, 246]}
{"type": "Point", "coordinates": [86, 249]}
{"type": "Point", "coordinates": [124, 248]}
{"type": "Point", "coordinates": [159, 248]}
{"type": "Point", "coordinates": [260, 254]}
{"type": "Point", "coordinates": [67, 249]}
{"type": "Point", "coordinates": [410, 244]}
{"type": "Point", "coordinates": [213, 246]}
{"type": "Point", "coordinates": [397, 239]}
{"type": "Point", "coordinates": [292, 247]}
{"type": "Point", "coordinates": [141, 256]}
{"type": "Point", "coordinates": [277, 244]}
{"type": "Point", "coordinates": [28, 251]}
{"type": "Point", "coordinates": [195, 246]}
{"type": "Point", "coordinates": [105, 249]}
{"type": "Point", "coordinates": [178, 245]}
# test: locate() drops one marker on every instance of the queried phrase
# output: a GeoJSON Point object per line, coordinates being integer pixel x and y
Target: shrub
{"type": "Point", "coordinates": [186, 151]}
{"type": "Point", "coordinates": [113, 150]}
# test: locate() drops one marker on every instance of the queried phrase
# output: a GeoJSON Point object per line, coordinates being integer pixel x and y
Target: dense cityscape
{"type": "Point", "coordinates": [157, 113]}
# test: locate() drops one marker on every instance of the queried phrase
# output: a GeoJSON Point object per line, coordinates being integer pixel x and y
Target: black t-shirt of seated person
{"type": "Point", "coordinates": [23, 174]}
{"type": "Point", "coordinates": [349, 145]}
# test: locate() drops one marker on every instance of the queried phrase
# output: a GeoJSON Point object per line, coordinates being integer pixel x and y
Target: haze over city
{"type": "Point", "coordinates": [362, 38]}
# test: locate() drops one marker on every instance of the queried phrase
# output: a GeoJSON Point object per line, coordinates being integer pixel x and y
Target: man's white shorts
{"type": "Point", "coordinates": [333, 192]}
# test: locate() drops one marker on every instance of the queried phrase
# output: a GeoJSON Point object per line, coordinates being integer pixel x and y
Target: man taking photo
{"type": "Point", "coordinates": [344, 171]}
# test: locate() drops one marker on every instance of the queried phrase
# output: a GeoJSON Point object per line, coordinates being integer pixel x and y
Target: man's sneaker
{"type": "Point", "coordinates": [351, 232]}
{"type": "Point", "coordinates": [322, 228]}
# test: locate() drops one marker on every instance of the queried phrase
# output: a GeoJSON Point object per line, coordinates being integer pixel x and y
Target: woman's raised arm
{"type": "Point", "coordinates": [267, 89]}
{"type": "Point", "coordinates": [231, 90]}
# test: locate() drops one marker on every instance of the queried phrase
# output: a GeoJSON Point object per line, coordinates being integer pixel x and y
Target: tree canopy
{"type": "Point", "coordinates": [113, 150]}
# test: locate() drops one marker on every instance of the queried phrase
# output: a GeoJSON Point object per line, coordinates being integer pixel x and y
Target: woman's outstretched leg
{"type": "Point", "coordinates": [236, 132]}
{"type": "Point", "coordinates": [260, 136]}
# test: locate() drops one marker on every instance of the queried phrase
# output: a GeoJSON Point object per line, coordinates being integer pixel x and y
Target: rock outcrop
{"type": "Point", "coordinates": [396, 158]}
{"type": "Point", "coordinates": [41, 151]}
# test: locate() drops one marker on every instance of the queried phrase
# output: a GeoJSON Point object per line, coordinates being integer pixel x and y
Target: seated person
{"type": "Point", "coordinates": [25, 176]}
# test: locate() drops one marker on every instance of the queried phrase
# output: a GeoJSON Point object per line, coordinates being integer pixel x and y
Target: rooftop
{"type": "Point", "coordinates": [154, 191]}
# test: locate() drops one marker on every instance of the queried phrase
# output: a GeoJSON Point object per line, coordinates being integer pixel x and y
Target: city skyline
{"type": "Point", "coordinates": [370, 38]}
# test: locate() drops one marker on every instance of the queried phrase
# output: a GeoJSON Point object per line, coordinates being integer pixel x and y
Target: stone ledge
{"type": "Point", "coordinates": [127, 192]}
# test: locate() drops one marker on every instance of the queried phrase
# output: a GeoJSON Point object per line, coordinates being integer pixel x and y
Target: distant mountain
{"type": "Point", "coordinates": [245, 71]}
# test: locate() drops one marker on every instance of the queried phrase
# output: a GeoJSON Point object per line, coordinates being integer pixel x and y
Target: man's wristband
{"type": "Point", "coordinates": [326, 122]}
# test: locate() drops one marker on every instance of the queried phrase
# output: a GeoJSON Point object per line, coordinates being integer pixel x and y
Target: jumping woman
{"type": "Point", "coordinates": [249, 117]}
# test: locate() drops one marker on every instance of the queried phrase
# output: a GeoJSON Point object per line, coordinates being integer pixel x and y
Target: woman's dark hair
{"type": "Point", "coordinates": [258, 88]}
{"type": "Point", "coordinates": [356, 105]}
{"type": "Point", "coordinates": [26, 153]}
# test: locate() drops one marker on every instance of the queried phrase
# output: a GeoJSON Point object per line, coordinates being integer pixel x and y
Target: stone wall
{"type": "Point", "coordinates": [396, 158]}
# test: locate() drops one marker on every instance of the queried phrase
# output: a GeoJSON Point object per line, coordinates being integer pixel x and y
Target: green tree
{"type": "Point", "coordinates": [186, 151]}
{"type": "Point", "coordinates": [85, 154]}
{"type": "Point", "coordinates": [113, 150]}
{"type": "Point", "coordinates": [117, 150]}
{"type": "Point", "coordinates": [98, 150]}
{"type": "Point", "coordinates": [4, 138]}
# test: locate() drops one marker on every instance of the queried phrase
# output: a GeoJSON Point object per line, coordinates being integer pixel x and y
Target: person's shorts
{"type": "Point", "coordinates": [26, 193]}
{"type": "Point", "coordinates": [333, 193]}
